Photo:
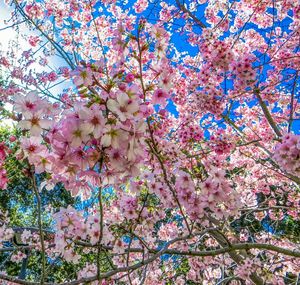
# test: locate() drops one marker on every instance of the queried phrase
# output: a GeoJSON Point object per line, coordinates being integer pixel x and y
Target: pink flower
{"type": "Point", "coordinates": [34, 123]}
{"type": "Point", "coordinates": [52, 76]}
{"type": "Point", "coordinates": [3, 178]}
{"type": "Point", "coordinates": [34, 10]}
{"type": "Point", "coordinates": [18, 257]}
{"type": "Point", "coordinates": [30, 103]}
{"type": "Point", "coordinates": [83, 76]}
{"type": "Point", "coordinates": [165, 82]}
{"type": "Point", "coordinates": [129, 77]}
{"type": "Point", "coordinates": [33, 40]}
{"type": "Point", "coordinates": [77, 133]}
{"type": "Point", "coordinates": [12, 138]}
{"type": "Point", "coordinates": [136, 142]}
{"type": "Point", "coordinates": [88, 271]}
{"type": "Point", "coordinates": [140, 6]}
{"type": "Point", "coordinates": [93, 120]}
{"type": "Point", "coordinates": [43, 162]}
{"type": "Point", "coordinates": [160, 97]}
{"type": "Point", "coordinates": [4, 62]}
{"type": "Point", "coordinates": [167, 231]}
{"type": "Point", "coordinates": [124, 106]}
{"type": "Point", "coordinates": [31, 146]}
{"type": "Point", "coordinates": [3, 149]}
{"type": "Point", "coordinates": [25, 236]}
{"type": "Point", "coordinates": [184, 180]}
{"type": "Point", "coordinates": [287, 153]}
{"type": "Point", "coordinates": [129, 206]}
{"type": "Point", "coordinates": [113, 136]}
{"type": "Point", "coordinates": [117, 160]}
{"type": "Point", "coordinates": [119, 247]}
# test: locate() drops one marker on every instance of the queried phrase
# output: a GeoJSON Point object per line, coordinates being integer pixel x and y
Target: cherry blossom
{"type": "Point", "coordinates": [34, 123]}
{"type": "Point", "coordinates": [124, 106]}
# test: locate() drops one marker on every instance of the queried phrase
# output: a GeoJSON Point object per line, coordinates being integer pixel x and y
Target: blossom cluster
{"type": "Point", "coordinates": [287, 153]}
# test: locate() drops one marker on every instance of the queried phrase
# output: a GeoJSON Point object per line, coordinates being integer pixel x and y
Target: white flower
{"type": "Point", "coordinates": [78, 133]}
{"type": "Point", "coordinates": [124, 107]}
{"type": "Point", "coordinates": [31, 146]}
{"type": "Point", "coordinates": [47, 184]}
{"type": "Point", "coordinates": [93, 120]}
{"type": "Point", "coordinates": [165, 81]}
{"type": "Point", "coordinates": [29, 103]}
{"type": "Point", "coordinates": [136, 143]}
{"type": "Point", "coordinates": [34, 123]}
{"type": "Point", "coordinates": [26, 236]}
{"type": "Point", "coordinates": [113, 136]}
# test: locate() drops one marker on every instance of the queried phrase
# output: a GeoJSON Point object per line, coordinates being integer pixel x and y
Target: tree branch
{"type": "Point", "coordinates": [185, 10]}
{"type": "Point", "coordinates": [165, 250]}
{"type": "Point", "coordinates": [41, 232]}
{"type": "Point", "coordinates": [267, 113]}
